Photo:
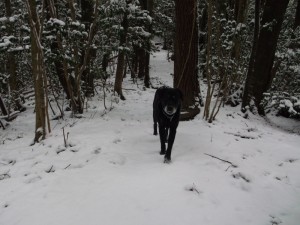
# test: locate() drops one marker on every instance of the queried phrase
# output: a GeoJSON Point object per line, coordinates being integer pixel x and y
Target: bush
{"type": "Point", "coordinates": [283, 104]}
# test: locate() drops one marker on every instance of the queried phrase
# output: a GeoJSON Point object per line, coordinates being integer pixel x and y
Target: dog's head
{"type": "Point", "coordinates": [171, 100]}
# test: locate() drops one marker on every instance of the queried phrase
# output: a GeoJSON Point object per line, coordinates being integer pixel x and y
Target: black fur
{"type": "Point", "coordinates": [166, 112]}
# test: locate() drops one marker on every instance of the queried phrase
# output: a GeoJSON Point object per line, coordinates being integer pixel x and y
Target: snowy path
{"type": "Point", "coordinates": [112, 173]}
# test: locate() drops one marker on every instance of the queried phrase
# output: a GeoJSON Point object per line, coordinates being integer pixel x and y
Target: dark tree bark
{"type": "Point", "coordinates": [3, 107]}
{"type": "Point", "coordinates": [39, 79]}
{"type": "Point", "coordinates": [248, 89]}
{"type": "Point", "coordinates": [60, 65]}
{"type": "Point", "coordinates": [241, 16]}
{"type": "Point", "coordinates": [142, 54]}
{"type": "Point", "coordinates": [105, 62]}
{"type": "Point", "coordinates": [272, 19]}
{"type": "Point", "coordinates": [186, 56]}
{"type": "Point", "coordinates": [121, 58]}
{"type": "Point", "coordinates": [202, 39]}
{"type": "Point", "coordinates": [12, 65]}
{"type": "Point", "coordinates": [86, 53]}
{"type": "Point", "coordinates": [87, 7]}
{"type": "Point", "coordinates": [297, 16]}
{"type": "Point", "coordinates": [141, 62]}
{"type": "Point", "coordinates": [148, 47]}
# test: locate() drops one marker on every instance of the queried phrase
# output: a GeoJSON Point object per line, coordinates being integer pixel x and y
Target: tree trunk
{"type": "Point", "coordinates": [3, 107]}
{"type": "Point", "coordinates": [142, 53]}
{"type": "Point", "coordinates": [141, 62]}
{"type": "Point", "coordinates": [12, 65]}
{"type": "Point", "coordinates": [202, 39]}
{"type": "Point", "coordinates": [272, 19]}
{"type": "Point", "coordinates": [297, 16]}
{"type": "Point", "coordinates": [121, 57]}
{"type": "Point", "coordinates": [149, 7]}
{"type": "Point", "coordinates": [186, 56]}
{"type": "Point", "coordinates": [241, 16]}
{"type": "Point", "coordinates": [56, 47]}
{"type": "Point", "coordinates": [87, 6]}
{"type": "Point", "coordinates": [248, 89]}
{"type": "Point", "coordinates": [40, 84]}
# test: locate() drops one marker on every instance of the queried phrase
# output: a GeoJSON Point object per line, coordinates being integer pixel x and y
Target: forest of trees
{"type": "Point", "coordinates": [245, 52]}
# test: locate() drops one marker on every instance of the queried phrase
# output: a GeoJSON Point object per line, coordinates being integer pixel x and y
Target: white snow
{"type": "Point", "coordinates": [59, 22]}
{"type": "Point", "coordinates": [6, 41]}
{"type": "Point", "coordinates": [111, 172]}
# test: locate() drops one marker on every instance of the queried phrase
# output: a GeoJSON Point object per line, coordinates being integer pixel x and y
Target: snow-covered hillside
{"type": "Point", "coordinates": [234, 171]}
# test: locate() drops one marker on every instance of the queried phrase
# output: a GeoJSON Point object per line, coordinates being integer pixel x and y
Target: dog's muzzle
{"type": "Point", "coordinates": [169, 110]}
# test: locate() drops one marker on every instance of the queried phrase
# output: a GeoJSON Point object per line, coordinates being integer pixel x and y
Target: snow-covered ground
{"type": "Point", "coordinates": [112, 173]}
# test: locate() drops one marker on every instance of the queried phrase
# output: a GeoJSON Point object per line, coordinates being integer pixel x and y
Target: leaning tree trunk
{"type": "Point", "coordinates": [272, 19]}
{"type": "Point", "coordinates": [186, 56]}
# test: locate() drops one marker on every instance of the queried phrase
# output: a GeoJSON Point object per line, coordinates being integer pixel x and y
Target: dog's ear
{"type": "Point", "coordinates": [180, 94]}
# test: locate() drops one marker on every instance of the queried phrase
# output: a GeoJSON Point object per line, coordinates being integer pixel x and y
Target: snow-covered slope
{"type": "Point", "coordinates": [231, 172]}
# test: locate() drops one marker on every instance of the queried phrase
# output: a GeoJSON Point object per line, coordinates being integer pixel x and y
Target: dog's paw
{"type": "Point", "coordinates": [167, 160]}
{"type": "Point", "coordinates": [162, 152]}
{"type": "Point", "coordinates": [155, 133]}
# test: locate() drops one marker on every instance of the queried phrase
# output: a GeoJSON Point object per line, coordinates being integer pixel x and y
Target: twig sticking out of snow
{"type": "Point", "coordinates": [193, 188]}
{"type": "Point", "coordinates": [223, 160]}
{"type": "Point", "coordinates": [51, 170]}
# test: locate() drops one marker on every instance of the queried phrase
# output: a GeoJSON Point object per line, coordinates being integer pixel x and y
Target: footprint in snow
{"type": "Point", "coordinates": [115, 158]}
{"type": "Point", "coordinates": [97, 150]}
{"type": "Point", "coordinates": [275, 220]}
{"type": "Point", "coordinates": [33, 179]}
{"type": "Point", "coordinates": [5, 175]}
{"type": "Point", "coordinates": [117, 140]}
{"type": "Point", "coordinates": [283, 178]}
{"type": "Point", "coordinates": [291, 160]}
{"type": "Point", "coordinates": [288, 161]}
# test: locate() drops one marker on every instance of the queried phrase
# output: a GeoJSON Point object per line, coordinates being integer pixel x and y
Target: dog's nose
{"type": "Point", "coordinates": [170, 108]}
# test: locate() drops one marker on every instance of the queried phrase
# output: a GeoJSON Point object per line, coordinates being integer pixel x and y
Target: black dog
{"type": "Point", "coordinates": [166, 112]}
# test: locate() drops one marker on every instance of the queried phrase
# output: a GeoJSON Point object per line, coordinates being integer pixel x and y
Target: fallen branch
{"type": "Point", "coordinates": [67, 166]}
{"type": "Point", "coordinates": [226, 161]}
{"type": "Point", "coordinates": [2, 125]}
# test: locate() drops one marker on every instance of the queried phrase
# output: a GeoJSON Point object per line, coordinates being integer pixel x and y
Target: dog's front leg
{"type": "Point", "coordinates": [170, 145]}
{"type": "Point", "coordinates": [162, 136]}
{"type": "Point", "coordinates": [155, 128]}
